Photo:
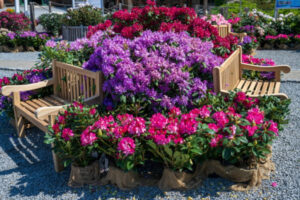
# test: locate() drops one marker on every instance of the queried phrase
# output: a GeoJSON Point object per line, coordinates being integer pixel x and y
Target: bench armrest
{"type": "Point", "coordinates": [283, 68]}
{"type": "Point", "coordinates": [279, 95]}
{"type": "Point", "coordinates": [43, 112]}
{"type": "Point", "coordinates": [8, 89]}
{"type": "Point", "coordinates": [239, 34]}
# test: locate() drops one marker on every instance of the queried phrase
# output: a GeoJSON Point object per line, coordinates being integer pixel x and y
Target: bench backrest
{"type": "Point", "coordinates": [71, 82]}
{"type": "Point", "coordinates": [227, 76]}
{"type": "Point", "coordinates": [224, 30]}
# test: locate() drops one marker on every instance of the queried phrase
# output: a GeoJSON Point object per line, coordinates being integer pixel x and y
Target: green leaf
{"type": "Point", "coordinates": [226, 153]}
{"type": "Point", "coordinates": [168, 151]}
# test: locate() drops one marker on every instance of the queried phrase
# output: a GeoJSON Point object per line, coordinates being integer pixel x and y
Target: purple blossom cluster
{"type": "Point", "coordinates": [156, 65]}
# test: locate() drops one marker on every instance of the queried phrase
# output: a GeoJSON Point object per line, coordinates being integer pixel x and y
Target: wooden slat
{"type": "Point", "coordinates": [246, 85]}
{"type": "Point", "coordinates": [241, 83]}
{"type": "Point", "coordinates": [53, 101]}
{"type": "Point", "coordinates": [264, 88]}
{"type": "Point", "coordinates": [28, 107]}
{"type": "Point", "coordinates": [277, 87]}
{"type": "Point", "coordinates": [45, 102]}
{"type": "Point", "coordinates": [61, 101]}
{"type": "Point", "coordinates": [252, 86]}
{"type": "Point", "coordinates": [271, 87]}
{"type": "Point", "coordinates": [36, 106]}
{"type": "Point", "coordinates": [258, 88]}
{"type": "Point", "coordinates": [41, 103]}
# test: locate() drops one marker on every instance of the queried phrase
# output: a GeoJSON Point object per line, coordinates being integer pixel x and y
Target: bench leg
{"type": "Point", "coordinates": [20, 124]}
{"type": "Point", "coordinates": [58, 164]}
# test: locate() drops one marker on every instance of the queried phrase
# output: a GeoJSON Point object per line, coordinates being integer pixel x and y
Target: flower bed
{"type": "Point", "coordinates": [14, 21]}
{"type": "Point", "coordinates": [24, 41]}
{"type": "Point", "coordinates": [271, 33]}
{"type": "Point", "coordinates": [234, 130]}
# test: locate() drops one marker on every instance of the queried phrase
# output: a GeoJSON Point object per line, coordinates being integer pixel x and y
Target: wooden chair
{"type": "Point", "coordinates": [228, 77]}
{"type": "Point", "coordinates": [225, 30]}
{"type": "Point", "coordinates": [69, 84]}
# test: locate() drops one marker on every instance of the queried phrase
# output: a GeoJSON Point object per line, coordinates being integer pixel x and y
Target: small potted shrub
{"type": "Point", "coordinates": [75, 144]}
{"type": "Point", "coordinates": [14, 21]}
{"type": "Point", "coordinates": [297, 41]}
{"type": "Point", "coordinates": [249, 45]}
{"type": "Point", "coordinates": [76, 21]}
{"type": "Point", "coordinates": [52, 23]}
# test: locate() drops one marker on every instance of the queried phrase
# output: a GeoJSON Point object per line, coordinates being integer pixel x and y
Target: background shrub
{"type": "Point", "coordinates": [52, 23]}
{"type": "Point", "coordinates": [13, 21]}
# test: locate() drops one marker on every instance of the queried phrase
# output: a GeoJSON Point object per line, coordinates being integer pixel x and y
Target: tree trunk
{"type": "Point", "coordinates": [205, 7]}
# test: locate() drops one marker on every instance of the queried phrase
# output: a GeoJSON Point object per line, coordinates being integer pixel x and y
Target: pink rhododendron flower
{"type": "Point", "coordinates": [161, 139]}
{"type": "Point", "coordinates": [125, 119]}
{"type": "Point", "coordinates": [172, 127]}
{"type": "Point", "coordinates": [175, 112]}
{"type": "Point", "coordinates": [158, 121]}
{"type": "Point", "coordinates": [87, 137]}
{"type": "Point", "coordinates": [93, 111]}
{"type": "Point", "coordinates": [61, 119]}
{"type": "Point", "coordinates": [220, 118]}
{"type": "Point", "coordinates": [204, 112]}
{"type": "Point", "coordinates": [273, 127]}
{"type": "Point", "coordinates": [55, 128]}
{"type": "Point", "coordinates": [240, 97]}
{"type": "Point", "coordinates": [255, 116]}
{"type": "Point", "coordinates": [251, 130]}
{"type": "Point", "coordinates": [137, 126]}
{"type": "Point", "coordinates": [213, 142]}
{"type": "Point", "coordinates": [188, 124]}
{"type": "Point", "coordinates": [67, 133]}
{"type": "Point", "coordinates": [213, 127]}
{"type": "Point", "coordinates": [126, 146]}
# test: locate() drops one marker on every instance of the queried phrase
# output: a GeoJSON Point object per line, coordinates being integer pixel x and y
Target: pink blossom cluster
{"type": "Point", "coordinates": [276, 37]}
{"type": "Point", "coordinates": [216, 19]}
{"type": "Point", "coordinates": [234, 20]}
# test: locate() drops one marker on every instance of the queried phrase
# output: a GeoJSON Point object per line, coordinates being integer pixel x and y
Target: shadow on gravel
{"type": "Point", "coordinates": [27, 164]}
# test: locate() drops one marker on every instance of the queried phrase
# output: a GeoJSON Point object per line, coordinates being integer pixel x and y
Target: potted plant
{"type": "Point", "coordinates": [249, 45]}
{"type": "Point", "coordinates": [76, 21]}
{"type": "Point", "coordinates": [75, 143]}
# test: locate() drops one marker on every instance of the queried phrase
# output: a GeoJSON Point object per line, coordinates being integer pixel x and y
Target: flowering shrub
{"type": "Point", "coordinates": [132, 24]}
{"type": "Point", "coordinates": [25, 39]}
{"type": "Point", "coordinates": [26, 77]}
{"type": "Point", "coordinates": [233, 129]}
{"type": "Point", "coordinates": [166, 68]}
{"type": "Point", "coordinates": [14, 21]}
{"type": "Point", "coordinates": [248, 59]}
{"type": "Point", "coordinates": [75, 53]}
{"type": "Point", "coordinates": [249, 44]}
{"type": "Point", "coordinates": [72, 137]}
{"type": "Point", "coordinates": [278, 39]}
{"type": "Point", "coordinates": [215, 19]}
{"type": "Point", "coordinates": [52, 23]}
{"type": "Point", "coordinates": [84, 15]}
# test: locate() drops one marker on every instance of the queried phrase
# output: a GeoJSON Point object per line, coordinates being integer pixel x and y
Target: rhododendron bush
{"type": "Point", "coordinates": [166, 68]}
{"type": "Point", "coordinates": [233, 129]}
{"type": "Point", "coordinates": [164, 19]}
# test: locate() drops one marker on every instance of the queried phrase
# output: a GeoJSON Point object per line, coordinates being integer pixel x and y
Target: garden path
{"type": "Point", "coordinates": [290, 57]}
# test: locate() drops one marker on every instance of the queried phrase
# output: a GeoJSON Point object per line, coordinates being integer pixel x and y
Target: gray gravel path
{"type": "Point", "coordinates": [18, 61]}
{"type": "Point", "coordinates": [26, 170]}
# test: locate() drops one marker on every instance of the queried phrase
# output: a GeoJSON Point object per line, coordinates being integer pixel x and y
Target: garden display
{"type": "Point", "coordinates": [160, 122]}
{"type": "Point", "coordinates": [271, 33]}
{"type": "Point", "coordinates": [14, 21]}
{"type": "Point", "coordinates": [22, 41]}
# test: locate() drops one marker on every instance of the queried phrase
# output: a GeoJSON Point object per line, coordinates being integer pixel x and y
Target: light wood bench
{"type": "Point", "coordinates": [225, 30]}
{"type": "Point", "coordinates": [228, 77]}
{"type": "Point", "coordinates": [69, 83]}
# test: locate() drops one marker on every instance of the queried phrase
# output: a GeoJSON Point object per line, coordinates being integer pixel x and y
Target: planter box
{"type": "Point", "coordinates": [72, 33]}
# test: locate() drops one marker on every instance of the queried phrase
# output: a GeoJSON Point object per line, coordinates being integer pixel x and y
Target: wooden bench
{"type": "Point", "coordinates": [228, 77]}
{"type": "Point", "coordinates": [225, 30]}
{"type": "Point", "coordinates": [69, 83]}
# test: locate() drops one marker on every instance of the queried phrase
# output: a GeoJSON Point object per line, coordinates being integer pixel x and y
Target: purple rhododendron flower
{"type": "Point", "coordinates": [155, 65]}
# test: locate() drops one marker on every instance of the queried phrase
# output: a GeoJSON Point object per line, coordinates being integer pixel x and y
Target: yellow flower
{"type": "Point", "coordinates": [10, 10]}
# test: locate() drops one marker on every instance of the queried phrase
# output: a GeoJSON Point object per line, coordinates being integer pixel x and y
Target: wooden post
{"type": "Point", "coordinates": [1, 4]}
{"type": "Point", "coordinates": [32, 16]}
{"type": "Point", "coordinates": [120, 6]}
{"type": "Point", "coordinates": [205, 7]}
{"type": "Point", "coordinates": [50, 7]}
{"type": "Point", "coordinates": [130, 5]}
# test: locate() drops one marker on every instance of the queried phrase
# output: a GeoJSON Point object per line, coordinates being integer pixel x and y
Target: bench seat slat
{"type": "Point", "coordinates": [264, 88]}
{"type": "Point", "coordinates": [271, 87]}
{"type": "Point", "coordinates": [252, 86]}
{"type": "Point", "coordinates": [246, 86]}
{"type": "Point", "coordinates": [277, 87]}
{"type": "Point", "coordinates": [241, 83]}
{"type": "Point", "coordinates": [258, 88]}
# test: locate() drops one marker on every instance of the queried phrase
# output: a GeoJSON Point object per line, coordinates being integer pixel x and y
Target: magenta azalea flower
{"type": "Point", "coordinates": [126, 146]}
{"type": "Point", "coordinates": [87, 137]}
{"type": "Point", "coordinates": [67, 133]}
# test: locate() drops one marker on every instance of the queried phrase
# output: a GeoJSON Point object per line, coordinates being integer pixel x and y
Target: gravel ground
{"type": "Point", "coordinates": [19, 61]}
{"type": "Point", "coordinates": [290, 57]}
{"type": "Point", "coordinates": [26, 170]}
